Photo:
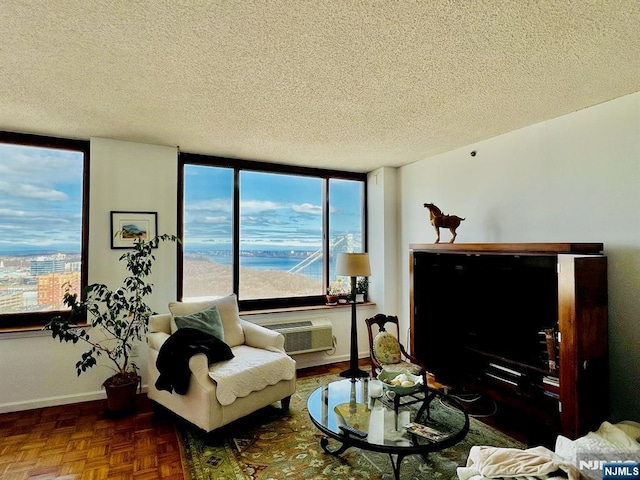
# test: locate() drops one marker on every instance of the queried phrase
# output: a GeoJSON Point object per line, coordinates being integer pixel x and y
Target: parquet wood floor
{"type": "Point", "coordinates": [78, 442]}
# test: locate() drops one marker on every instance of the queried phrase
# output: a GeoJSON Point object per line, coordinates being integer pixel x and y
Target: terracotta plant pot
{"type": "Point", "coordinates": [332, 299]}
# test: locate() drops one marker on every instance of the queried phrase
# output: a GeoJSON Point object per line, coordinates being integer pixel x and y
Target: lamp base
{"type": "Point", "coordinates": [354, 373]}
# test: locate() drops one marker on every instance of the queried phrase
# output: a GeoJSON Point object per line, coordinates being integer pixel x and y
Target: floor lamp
{"type": "Point", "coordinates": [353, 265]}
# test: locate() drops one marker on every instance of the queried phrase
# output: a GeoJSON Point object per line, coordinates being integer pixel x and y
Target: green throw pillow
{"type": "Point", "coordinates": [206, 320]}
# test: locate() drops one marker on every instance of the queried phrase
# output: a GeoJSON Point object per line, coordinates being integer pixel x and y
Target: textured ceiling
{"type": "Point", "coordinates": [342, 84]}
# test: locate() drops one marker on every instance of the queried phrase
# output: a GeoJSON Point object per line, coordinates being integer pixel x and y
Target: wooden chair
{"type": "Point", "coordinates": [385, 350]}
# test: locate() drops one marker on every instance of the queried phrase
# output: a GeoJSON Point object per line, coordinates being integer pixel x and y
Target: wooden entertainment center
{"type": "Point", "coordinates": [523, 324]}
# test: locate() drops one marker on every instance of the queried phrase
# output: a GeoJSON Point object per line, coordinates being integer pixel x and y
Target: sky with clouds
{"type": "Point", "coordinates": [40, 199]}
{"type": "Point", "coordinates": [277, 211]}
{"type": "Point", "coordinates": [41, 205]}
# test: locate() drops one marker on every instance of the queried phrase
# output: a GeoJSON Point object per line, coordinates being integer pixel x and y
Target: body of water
{"type": "Point", "coordinates": [271, 262]}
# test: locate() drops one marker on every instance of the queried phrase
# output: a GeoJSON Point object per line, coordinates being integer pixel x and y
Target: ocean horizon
{"type": "Point", "coordinates": [269, 260]}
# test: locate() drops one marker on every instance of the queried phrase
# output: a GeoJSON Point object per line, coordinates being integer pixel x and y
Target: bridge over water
{"type": "Point", "coordinates": [341, 243]}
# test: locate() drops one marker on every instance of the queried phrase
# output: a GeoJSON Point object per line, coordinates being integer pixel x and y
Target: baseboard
{"type": "Point", "coordinates": [55, 401]}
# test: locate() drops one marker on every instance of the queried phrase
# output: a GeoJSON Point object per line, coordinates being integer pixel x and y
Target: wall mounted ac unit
{"type": "Point", "coordinates": [303, 336]}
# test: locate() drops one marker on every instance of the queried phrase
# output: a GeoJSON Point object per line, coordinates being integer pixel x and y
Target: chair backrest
{"type": "Point", "coordinates": [380, 323]}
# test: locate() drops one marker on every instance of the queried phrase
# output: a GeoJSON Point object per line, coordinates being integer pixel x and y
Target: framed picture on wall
{"type": "Point", "coordinates": [127, 227]}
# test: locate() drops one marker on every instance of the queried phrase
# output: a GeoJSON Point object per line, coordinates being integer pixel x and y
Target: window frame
{"type": "Point", "coordinates": [238, 165]}
{"type": "Point", "coordinates": [15, 322]}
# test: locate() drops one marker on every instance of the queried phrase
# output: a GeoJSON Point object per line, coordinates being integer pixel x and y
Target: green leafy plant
{"type": "Point", "coordinates": [362, 285]}
{"type": "Point", "coordinates": [114, 318]}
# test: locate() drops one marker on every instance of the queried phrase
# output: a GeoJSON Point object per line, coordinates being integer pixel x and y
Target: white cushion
{"type": "Point", "coordinates": [250, 370]}
{"type": "Point", "coordinates": [229, 314]}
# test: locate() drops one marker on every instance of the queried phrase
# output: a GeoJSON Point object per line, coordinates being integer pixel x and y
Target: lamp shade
{"type": "Point", "coordinates": [353, 265]}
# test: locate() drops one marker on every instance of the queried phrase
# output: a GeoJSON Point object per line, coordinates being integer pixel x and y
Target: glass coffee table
{"type": "Point", "coordinates": [440, 420]}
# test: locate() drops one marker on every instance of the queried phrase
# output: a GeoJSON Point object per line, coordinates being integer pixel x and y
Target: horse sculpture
{"type": "Point", "coordinates": [440, 220]}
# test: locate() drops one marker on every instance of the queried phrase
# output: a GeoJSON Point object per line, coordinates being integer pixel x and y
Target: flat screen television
{"type": "Point", "coordinates": [469, 307]}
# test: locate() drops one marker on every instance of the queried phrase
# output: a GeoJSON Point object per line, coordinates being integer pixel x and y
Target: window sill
{"type": "Point", "coordinates": [246, 313]}
{"type": "Point", "coordinates": [25, 332]}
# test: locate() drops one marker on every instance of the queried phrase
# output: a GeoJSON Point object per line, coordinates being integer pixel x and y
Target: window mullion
{"type": "Point", "coordinates": [325, 234]}
{"type": "Point", "coordinates": [236, 231]}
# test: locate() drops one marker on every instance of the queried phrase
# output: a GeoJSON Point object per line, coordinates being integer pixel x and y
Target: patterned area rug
{"type": "Point", "coordinates": [270, 445]}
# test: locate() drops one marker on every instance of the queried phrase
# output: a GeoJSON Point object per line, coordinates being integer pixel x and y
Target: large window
{"type": "Point", "coordinates": [269, 233]}
{"type": "Point", "coordinates": [42, 207]}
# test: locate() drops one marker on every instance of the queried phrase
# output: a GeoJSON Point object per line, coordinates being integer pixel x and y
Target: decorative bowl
{"type": "Point", "coordinates": [386, 377]}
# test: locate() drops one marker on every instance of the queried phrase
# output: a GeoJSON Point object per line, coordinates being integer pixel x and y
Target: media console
{"type": "Point", "coordinates": [524, 324]}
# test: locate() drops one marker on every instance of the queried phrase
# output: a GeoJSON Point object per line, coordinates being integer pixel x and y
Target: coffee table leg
{"type": "Point", "coordinates": [396, 465]}
{"type": "Point", "coordinates": [428, 397]}
{"type": "Point", "coordinates": [324, 443]}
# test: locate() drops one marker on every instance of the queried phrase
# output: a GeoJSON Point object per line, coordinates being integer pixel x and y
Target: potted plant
{"type": "Point", "coordinates": [119, 318]}
{"type": "Point", "coordinates": [335, 291]}
{"type": "Point", "coordinates": [362, 289]}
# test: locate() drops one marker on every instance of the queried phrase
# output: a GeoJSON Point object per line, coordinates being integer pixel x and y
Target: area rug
{"type": "Point", "coordinates": [271, 445]}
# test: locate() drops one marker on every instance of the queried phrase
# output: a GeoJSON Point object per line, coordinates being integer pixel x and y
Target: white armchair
{"type": "Point", "coordinates": [259, 374]}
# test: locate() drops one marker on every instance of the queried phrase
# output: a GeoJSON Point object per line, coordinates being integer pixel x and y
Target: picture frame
{"type": "Point", "coordinates": [127, 227]}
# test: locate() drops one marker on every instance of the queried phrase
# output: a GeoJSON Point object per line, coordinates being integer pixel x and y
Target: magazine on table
{"type": "Point", "coordinates": [424, 431]}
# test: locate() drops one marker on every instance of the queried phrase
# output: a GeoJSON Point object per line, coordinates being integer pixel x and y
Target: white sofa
{"type": "Point", "coordinates": [259, 374]}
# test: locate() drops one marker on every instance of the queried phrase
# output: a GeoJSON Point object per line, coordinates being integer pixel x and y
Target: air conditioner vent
{"type": "Point", "coordinates": [303, 336]}
{"type": "Point", "coordinates": [283, 326]}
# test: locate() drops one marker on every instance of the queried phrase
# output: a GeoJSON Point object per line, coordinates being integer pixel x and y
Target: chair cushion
{"type": "Point", "coordinates": [206, 320]}
{"type": "Point", "coordinates": [386, 348]}
{"type": "Point", "coordinates": [229, 314]}
{"type": "Point", "coordinates": [250, 370]}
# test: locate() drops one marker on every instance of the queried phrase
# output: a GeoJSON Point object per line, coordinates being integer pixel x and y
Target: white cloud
{"type": "Point", "coordinates": [42, 166]}
{"type": "Point", "coordinates": [23, 190]}
{"type": "Point", "coordinates": [307, 208]}
{"type": "Point", "coordinates": [11, 213]}
{"type": "Point", "coordinates": [215, 220]}
{"type": "Point", "coordinates": [250, 207]}
{"type": "Point", "coordinates": [213, 205]}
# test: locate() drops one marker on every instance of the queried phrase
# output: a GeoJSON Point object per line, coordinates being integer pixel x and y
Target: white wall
{"type": "Point", "coordinates": [571, 179]}
{"type": "Point", "coordinates": [383, 236]}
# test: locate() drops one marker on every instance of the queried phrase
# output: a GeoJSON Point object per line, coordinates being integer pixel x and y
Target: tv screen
{"type": "Point", "coordinates": [493, 305]}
